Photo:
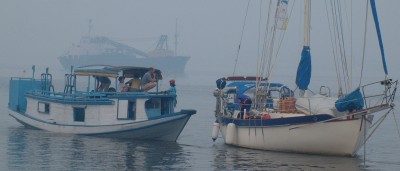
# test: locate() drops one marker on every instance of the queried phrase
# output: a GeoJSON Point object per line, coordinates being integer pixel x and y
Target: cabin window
{"type": "Point", "coordinates": [79, 114]}
{"type": "Point", "coordinates": [43, 108]}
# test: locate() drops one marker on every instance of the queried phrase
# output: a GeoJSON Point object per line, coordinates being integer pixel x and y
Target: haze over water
{"type": "Point", "coordinates": [37, 32]}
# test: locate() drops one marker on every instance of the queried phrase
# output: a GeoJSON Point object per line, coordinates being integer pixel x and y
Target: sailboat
{"type": "Point", "coordinates": [254, 112]}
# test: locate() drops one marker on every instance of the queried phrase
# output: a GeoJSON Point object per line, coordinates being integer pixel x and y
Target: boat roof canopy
{"type": "Point", "coordinates": [114, 71]}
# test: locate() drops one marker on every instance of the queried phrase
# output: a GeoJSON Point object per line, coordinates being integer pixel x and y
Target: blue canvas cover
{"type": "Point", "coordinates": [352, 101]}
{"type": "Point", "coordinates": [304, 69]}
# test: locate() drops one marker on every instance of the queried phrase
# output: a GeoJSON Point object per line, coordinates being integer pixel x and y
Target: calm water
{"type": "Point", "coordinates": [26, 149]}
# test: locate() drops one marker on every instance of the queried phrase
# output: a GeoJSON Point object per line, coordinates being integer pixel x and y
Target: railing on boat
{"type": "Point", "coordinates": [375, 101]}
{"type": "Point", "coordinates": [382, 98]}
{"type": "Point", "coordinates": [80, 96]}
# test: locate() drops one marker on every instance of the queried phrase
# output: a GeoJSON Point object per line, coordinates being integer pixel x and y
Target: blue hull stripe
{"type": "Point", "coordinates": [150, 119]}
{"type": "Point", "coordinates": [278, 121]}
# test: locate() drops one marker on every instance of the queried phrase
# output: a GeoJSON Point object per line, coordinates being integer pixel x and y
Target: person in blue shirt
{"type": "Point", "coordinates": [172, 89]}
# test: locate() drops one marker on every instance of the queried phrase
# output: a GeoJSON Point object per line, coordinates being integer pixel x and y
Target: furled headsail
{"type": "Point", "coordinates": [378, 32]}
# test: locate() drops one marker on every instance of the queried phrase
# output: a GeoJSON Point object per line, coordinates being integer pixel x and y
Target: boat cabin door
{"type": "Point", "coordinates": [126, 109]}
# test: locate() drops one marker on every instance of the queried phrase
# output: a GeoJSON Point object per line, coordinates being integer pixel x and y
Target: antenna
{"type": "Point", "coordinates": [176, 37]}
{"type": "Point", "coordinates": [90, 25]}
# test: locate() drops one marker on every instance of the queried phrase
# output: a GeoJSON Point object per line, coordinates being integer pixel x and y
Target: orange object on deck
{"type": "Point", "coordinates": [266, 116]}
{"type": "Point", "coordinates": [287, 105]}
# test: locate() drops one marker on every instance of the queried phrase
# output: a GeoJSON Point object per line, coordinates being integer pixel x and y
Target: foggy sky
{"type": "Point", "coordinates": [38, 31]}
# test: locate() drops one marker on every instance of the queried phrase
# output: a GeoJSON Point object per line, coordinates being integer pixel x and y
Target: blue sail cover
{"type": "Point", "coordinates": [304, 69]}
{"type": "Point", "coordinates": [352, 101]}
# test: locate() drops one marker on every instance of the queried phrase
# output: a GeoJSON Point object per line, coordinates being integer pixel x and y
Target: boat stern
{"type": "Point", "coordinates": [18, 88]}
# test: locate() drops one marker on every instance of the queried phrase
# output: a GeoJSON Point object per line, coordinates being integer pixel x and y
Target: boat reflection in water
{"type": "Point", "coordinates": [39, 150]}
{"type": "Point", "coordinates": [232, 158]}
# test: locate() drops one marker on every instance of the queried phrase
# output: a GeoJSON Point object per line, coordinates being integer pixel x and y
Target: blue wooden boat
{"type": "Point", "coordinates": [133, 115]}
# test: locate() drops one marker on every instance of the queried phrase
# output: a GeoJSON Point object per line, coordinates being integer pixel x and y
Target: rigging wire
{"type": "Point", "coordinates": [351, 43]}
{"type": "Point", "coordinates": [272, 44]}
{"type": "Point", "coordinates": [262, 62]}
{"type": "Point", "coordinates": [341, 44]}
{"type": "Point", "coordinates": [337, 46]}
{"type": "Point", "coordinates": [333, 45]}
{"type": "Point", "coordinates": [364, 44]}
{"type": "Point", "coordinates": [364, 120]}
{"type": "Point", "coordinates": [259, 32]}
{"type": "Point", "coordinates": [266, 42]}
{"type": "Point", "coordinates": [241, 37]}
{"type": "Point", "coordinates": [349, 24]}
{"type": "Point", "coordinates": [345, 65]}
{"type": "Point", "coordinates": [397, 125]}
{"type": "Point", "coordinates": [258, 78]}
{"type": "Point", "coordinates": [342, 63]}
{"type": "Point", "coordinates": [377, 124]}
{"type": "Point", "coordinates": [282, 36]}
{"type": "Point", "coordinates": [261, 57]}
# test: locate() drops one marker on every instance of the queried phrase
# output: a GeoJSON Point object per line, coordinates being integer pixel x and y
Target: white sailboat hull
{"type": "Point", "coordinates": [341, 138]}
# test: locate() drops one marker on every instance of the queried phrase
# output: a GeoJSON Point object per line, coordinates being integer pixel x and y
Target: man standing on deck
{"type": "Point", "coordinates": [103, 83]}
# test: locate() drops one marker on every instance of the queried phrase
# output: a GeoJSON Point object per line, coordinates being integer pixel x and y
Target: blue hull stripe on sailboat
{"type": "Point", "coordinates": [278, 121]}
{"type": "Point", "coordinates": [378, 31]}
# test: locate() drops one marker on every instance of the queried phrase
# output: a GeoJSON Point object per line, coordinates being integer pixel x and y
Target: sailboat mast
{"type": "Point", "coordinates": [307, 19]}
{"type": "Point", "coordinates": [304, 69]}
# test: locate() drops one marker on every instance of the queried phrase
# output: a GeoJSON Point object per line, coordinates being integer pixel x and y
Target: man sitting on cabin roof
{"type": "Point", "coordinates": [148, 80]}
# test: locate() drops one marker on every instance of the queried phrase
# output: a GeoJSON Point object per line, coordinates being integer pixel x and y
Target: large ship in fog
{"type": "Point", "coordinates": [102, 50]}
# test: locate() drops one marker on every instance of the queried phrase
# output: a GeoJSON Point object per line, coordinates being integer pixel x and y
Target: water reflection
{"type": "Point", "coordinates": [40, 150]}
{"type": "Point", "coordinates": [233, 158]}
